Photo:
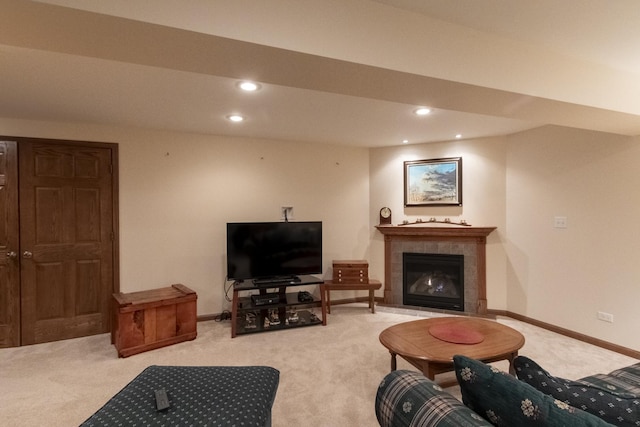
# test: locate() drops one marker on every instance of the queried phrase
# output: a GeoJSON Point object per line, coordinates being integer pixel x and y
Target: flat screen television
{"type": "Point", "coordinates": [273, 250]}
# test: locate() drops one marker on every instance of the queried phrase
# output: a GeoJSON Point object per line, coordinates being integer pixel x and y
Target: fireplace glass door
{"type": "Point", "coordinates": [433, 280]}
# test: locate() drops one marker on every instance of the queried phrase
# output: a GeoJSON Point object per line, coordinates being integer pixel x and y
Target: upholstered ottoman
{"type": "Point", "coordinates": [198, 395]}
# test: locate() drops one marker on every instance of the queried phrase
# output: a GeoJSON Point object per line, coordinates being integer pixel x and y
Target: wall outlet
{"type": "Point", "coordinates": [605, 317]}
{"type": "Point", "coordinates": [560, 222]}
{"type": "Point", "coordinates": [287, 213]}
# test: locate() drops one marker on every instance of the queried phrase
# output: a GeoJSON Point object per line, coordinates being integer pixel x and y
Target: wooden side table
{"type": "Point", "coordinates": [329, 286]}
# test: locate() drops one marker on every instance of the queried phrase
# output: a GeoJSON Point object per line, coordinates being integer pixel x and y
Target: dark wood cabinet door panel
{"type": "Point", "coordinates": [9, 246]}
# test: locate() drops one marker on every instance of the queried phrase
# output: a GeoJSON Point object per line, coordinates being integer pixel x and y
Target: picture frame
{"type": "Point", "coordinates": [434, 182]}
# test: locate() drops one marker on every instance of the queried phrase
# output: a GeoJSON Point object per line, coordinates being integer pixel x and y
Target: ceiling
{"type": "Point", "coordinates": [80, 66]}
{"type": "Point", "coordinates": [599, 31]}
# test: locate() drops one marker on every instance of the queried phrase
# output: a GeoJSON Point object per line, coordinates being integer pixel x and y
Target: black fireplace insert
{"type": "Point", "coordinates": [433, 280]}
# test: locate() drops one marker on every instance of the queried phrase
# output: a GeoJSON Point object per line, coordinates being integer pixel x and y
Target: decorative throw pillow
{"type": "Point", "coordinates": [408, 398]}
{"type": "Point", "coordinates": [615, 407]}
{"type": "Point", "coordinates": [505, 401]}
{"type": "Point", "coordinates": [623, 380]}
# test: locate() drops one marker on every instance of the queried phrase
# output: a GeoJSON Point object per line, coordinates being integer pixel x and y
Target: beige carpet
{"type": "Point", "coordinates": [328, 375]}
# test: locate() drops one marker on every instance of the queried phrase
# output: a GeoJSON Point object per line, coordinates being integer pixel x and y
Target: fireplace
{"type": "Point", "coordinates": [433, 280]}
{"type": "Point", "coordinates": [449, 239]}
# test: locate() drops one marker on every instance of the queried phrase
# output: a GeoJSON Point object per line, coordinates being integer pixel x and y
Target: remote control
{"type": "Point", "coordinates": [162, 400]}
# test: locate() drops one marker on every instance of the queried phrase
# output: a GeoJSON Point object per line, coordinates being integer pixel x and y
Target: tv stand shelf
{"type": "Point", "coordinates": [282, 309]}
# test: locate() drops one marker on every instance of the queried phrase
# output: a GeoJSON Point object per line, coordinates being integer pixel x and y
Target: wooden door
{"type": "Point", "coordinates": [9, 249]}
{"type": "Point", "coordinates": [66, 239]}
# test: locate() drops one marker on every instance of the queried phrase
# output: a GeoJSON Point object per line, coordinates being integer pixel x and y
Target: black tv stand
{"type": "Point", "coordinates": [275, 310]}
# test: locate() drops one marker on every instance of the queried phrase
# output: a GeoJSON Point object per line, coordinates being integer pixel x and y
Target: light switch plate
{"type": "Point", "coordinates": [560, 222]}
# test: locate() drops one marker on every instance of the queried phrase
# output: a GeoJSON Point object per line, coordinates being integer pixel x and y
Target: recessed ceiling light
{"type": "Point", "coordinates": [405, 141]}
{"type": "Point", "coordinates": [458, 136]}
{"type": "Point", "coordinates": [248, 86]}
{"type": "Point", "coordinates": [422, 111]}
{"type": "Point", "coordinates": [235, 118]}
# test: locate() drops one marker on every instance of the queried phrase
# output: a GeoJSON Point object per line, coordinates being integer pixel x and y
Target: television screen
{"type": "Point", "coordinates": [263, 250]}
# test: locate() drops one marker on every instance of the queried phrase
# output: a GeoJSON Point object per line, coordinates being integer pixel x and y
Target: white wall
{"type": "Point", "coordinates": [178, 191]}
{"type": "Point", "coordinates": [483, 204]}
{"type": "Point", "coordinates": [565, 276]}
{"type": "Point", "coordinates": [520, 183]}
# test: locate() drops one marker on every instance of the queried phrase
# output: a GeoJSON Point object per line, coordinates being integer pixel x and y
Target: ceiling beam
{"type": "Point", "coordinates": [70, 31]}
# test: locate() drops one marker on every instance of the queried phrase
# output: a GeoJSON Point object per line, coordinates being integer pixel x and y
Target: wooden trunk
{"type": "Point", "coordinates": [350, 271]}
{"type": "Point", "coordinates": [152, 319]}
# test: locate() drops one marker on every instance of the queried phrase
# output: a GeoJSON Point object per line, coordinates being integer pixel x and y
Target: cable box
{"type": "Point", "coordinates": [266, 299]}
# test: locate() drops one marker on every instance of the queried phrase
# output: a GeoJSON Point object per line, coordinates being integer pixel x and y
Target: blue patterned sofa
{"type": "Point", "coordinates": [614, 397]}
{"type": "Point", "coordinates": [492, 397]}
{"type": "Point", "coordinates": [198, 395]}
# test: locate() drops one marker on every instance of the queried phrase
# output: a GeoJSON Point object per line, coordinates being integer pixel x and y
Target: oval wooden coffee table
{"type": "Point", "coordinates": [480, 339]}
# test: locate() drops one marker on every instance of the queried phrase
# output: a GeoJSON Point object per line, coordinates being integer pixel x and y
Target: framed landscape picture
{"type": "Point", "coordinates": [435, 182]}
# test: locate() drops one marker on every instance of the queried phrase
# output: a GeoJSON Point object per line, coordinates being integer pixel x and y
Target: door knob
{"type": "Point", "coordinates": [27, 254]}
{"type": "Point", "coordinates": [12, 254]}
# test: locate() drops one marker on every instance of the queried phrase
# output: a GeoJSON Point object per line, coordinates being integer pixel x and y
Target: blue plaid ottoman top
{"type": "Point", "coordinates": [199, 396]}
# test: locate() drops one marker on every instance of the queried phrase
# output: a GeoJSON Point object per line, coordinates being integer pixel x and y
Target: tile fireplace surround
{"type": "Point", "coordinates": [435, 239]}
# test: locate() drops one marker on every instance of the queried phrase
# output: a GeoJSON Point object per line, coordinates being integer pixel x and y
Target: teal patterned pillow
{"type": "Point", "coordinates": [505, 401]}
{"type": "Point", "coordinates": [611, 404]}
